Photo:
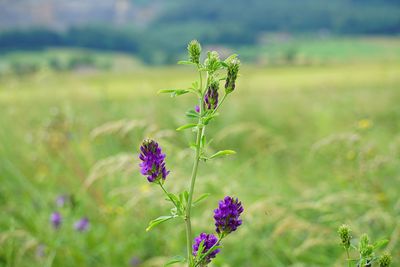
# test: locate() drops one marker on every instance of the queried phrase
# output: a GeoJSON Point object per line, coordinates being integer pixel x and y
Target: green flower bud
{"type": "Point", "coordinates": [365, 249]}
{"type": "Point", "coordinates": [233, 69]}
{"type": "Point", "coordinates": [194, 51]}
{"type": "Point", "coordinates": [344, 232]}
{"type": "Point", "coordinates": [212, 62]}
{"type": "Point", "coordinates": [385, 260]}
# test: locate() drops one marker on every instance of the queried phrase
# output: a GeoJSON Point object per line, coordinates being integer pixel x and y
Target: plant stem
{"type": "Point", "coordinates": [200, 132]}
{"type": "Point", "coordinates": [167, 194]}
{"type": "Point", "coordinates": [189, 204]}
{"type": "Point", "coordinates": [348, 258]}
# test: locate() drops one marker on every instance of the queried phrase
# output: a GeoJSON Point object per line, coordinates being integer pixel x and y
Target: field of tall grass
{"type": "Point", "coordinates": [317, 146]}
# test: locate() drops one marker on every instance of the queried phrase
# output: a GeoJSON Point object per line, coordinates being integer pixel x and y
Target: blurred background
{"type": "Point", "coordinates": [315, 120]}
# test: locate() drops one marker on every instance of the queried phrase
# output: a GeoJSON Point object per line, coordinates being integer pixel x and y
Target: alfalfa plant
{"type": "Point", "coordinates": [212, 72]}
{"type": "Point", "coordinates": [365, 250]}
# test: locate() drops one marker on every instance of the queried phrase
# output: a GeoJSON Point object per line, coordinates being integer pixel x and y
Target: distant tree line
{"type": "Point", "coordinates": [236, 23]}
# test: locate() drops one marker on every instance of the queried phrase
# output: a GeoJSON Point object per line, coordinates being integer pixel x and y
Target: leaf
{"type": "Point", "coordinates": [174, 92]}
{"type": "Point", "coordinates": [159, 220]}
{"type": "Point", "coordinates": [166, 91]}
{"type": "Point", "coordinates": [192, 114]}
{"type": "Point", "coordinates": [208, 118]}
{"type": "Point", "coordinates": [222, 153]}
{"type": "Point", "coordinates": [175, 259]}
{"type": "Point", "coordinates": [381, 243]}
{"type": "Point", "coordinates": [201, 198]}
{"type": "Point", "coordinates": [200, 251]}
{"type": "Point", "coordinates": [186, 62]}
{"type": "Point", "coordinates": [186, 126]}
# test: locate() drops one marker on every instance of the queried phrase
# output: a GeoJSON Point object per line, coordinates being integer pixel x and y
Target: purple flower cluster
{"type": "Point", "coordinates": [82, 225]}
{"type": "Point", "coordinates": [211, 96]}
{"type": "Point", "coordinates": [56, 219]}
{"type": "Point", "coordinates": [227, 215]}
{"type": "Point", "coordinates": [152, 158]}
{"type": "Point", "coordinates": [209, 241]}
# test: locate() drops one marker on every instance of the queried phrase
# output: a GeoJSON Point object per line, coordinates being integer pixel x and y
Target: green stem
{"type": "Point", "coordinates": [348, 258]}
{"type": "Point", "coordinates": [220, 103]}
{"type": "Point", "coordinates": [191, 190]}
{"type": "Point", "coordinates": [167, 194]}
{"type": "Point", "coordinates": [188, 223]}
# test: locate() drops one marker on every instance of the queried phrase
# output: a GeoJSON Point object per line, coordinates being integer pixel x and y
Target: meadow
{"type": "Point", "coordinates": [318, 145]}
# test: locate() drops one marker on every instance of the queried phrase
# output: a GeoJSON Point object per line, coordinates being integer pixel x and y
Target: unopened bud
{"type": "Point", "coordinates": [344, 232]}
{"type": "Point", "coordinates": [385, 260]}
{"type": "Point", "coordinates": [211, 96]}
{"type": "Point", "coordinates": [194, 51]}
{"type": "Point", "coordinates": [233, 69]}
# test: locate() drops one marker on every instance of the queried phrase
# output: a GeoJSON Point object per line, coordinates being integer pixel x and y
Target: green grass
{"type": "Point", "coordinates": [317, 146]}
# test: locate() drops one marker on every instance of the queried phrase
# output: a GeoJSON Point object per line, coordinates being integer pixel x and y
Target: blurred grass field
{"type": "Point", "coordinates": [318, 146]}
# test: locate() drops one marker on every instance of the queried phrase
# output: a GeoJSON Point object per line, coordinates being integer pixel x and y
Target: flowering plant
{"type": "Point", "coordinates": [202, 249]}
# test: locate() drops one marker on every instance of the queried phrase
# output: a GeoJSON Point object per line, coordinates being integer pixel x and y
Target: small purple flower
{"type": "Point", "coordinates": [211, 96]}
{"type": "Point", "coordinates": [227, 215]}
{"type": "Point", "coordinates": [40, 251]}
{"type": "Point", "coordinates": [209, 241]}
{"type": "Point", "coordinates": [62, 200]}
{"type": "Point", "coordinates": [134, 262]}
{"type": "Point", "coordinates": [197, 109]}
{"type": "Point", "coordinates": [153, 165]}
{"type": "Point", "coordinates": [82, 225]}
{"type": "Point", "coordinates": [56, 219]}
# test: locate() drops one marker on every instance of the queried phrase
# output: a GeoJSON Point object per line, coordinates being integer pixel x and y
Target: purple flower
{"type": "Point", "coordinates": [135, 261]}
{"type": "Point", "coordinates": [82, 225]}
{"type": "Point", "coordinates": [62, 200]}
{"type": "Point", "coordinates": [56, 219]}
{"type": "Point", "coordinates": [227, 215]}
{"type": "Point", "coordinates": [153, 165]}
{"type": "Point", "coordinates": [209, 241]}
{"type": "Point", "coordinates": [197, 109]}
{"type": "Point", "coordinates": [211, 96]}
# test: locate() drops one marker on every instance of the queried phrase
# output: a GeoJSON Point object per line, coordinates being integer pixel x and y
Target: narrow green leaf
{"type": "Point", "coordinates": [179, 92]}
{"type": "Point", "coordinates": [201, 198]}
{"type": "Point", "coordinates": [381, 243]}
{"type": "Point", "coordinates": [223, 153]}
{"type": "Point", "coordinates": [176, 259]}
{"type": "Point", "coordinates": [192, 114]}
{"type": "Point", "coordinates": [186, 126]}
{"type": "Point", "coordinates": [157, 221]}
{"type": "Point", "coordinates": [185, 62]}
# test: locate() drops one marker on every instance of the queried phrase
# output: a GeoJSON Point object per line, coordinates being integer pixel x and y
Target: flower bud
{"type": "Point", "coordinates": [211, 96]}
{"type": "Point", "coordinates": [212, 62]}
{"type": "Point", "coordinates": [385, 260]}
{"type": "Point", "coordinates": [153, 165]}
{"type": "Point", "coordinates": [233, 69]}
{"type": "Point", "coordinates": [345, 235]}
{"type": "Point", "coordinates": [194, 51]}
